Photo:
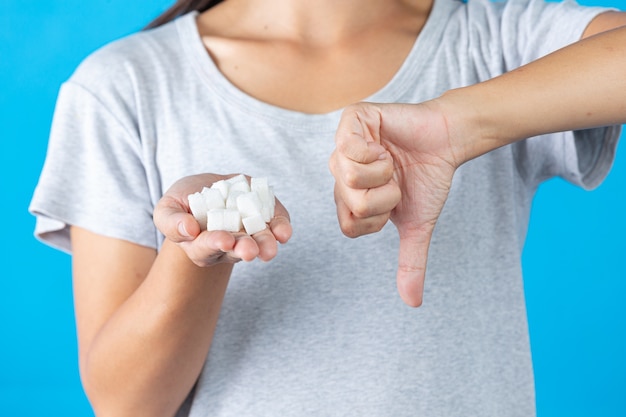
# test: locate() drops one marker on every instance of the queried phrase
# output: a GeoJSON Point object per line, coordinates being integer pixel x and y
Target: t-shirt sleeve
{"type": "Point", "coordinates": [531, 29]}
{"type": "Point", "coordinates": [583, 158]}
{"type": "Point", "coordinates": [93, 176]}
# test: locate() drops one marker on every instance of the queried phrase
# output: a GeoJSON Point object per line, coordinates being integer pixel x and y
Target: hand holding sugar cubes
{"type": "Point", "coordinates": [233, 205]}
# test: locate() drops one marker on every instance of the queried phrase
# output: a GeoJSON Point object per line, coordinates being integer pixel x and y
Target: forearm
{"type": "Point", "coordinates": [148, 355]}
{"type": "Point", "coordinates": [580, 86]}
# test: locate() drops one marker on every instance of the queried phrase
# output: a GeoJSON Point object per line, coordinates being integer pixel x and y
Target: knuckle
{"type": "Point", "coordinates": [351, 177]}
{"type": "Point", "coordinates": [341, 144]}
{"type": "Point", "coordinates": [350, 230]}
{"type": "Point", "coordinates": [388, 171]}
{"type": "Point", "coordinates": [332, 162]}
{"type": "Point", "coordinates": [377, 226]}
{"type": "Point", "coordinates": [367, 225]}
{"type": "Point", "coordinates": [361, 209]}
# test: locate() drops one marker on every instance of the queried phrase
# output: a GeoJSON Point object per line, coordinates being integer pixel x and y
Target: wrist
{"type": "Point", "coordinates": [471, 132]}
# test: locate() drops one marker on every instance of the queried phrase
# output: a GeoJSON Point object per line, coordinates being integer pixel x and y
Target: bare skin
{"type": "Point", "coordinates": [145, 320]}
{"type": "Point", "coordinates": [427, 142]}
{"type": "Point", "coordinates": [312, 57]}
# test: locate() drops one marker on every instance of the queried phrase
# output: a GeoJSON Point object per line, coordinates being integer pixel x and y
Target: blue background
{"type": "Point", "coordinates": [574, 260]}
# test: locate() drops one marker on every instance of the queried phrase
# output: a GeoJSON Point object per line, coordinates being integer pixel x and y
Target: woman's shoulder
{"type": "Point", "coordinates": [146, 53]}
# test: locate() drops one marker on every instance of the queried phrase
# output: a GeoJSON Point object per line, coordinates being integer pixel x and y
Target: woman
{"type": "Point", "coordinates": [258, 88]}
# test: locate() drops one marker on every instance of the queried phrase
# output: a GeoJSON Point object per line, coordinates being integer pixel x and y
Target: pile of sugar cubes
{"type": "Point", "coordinates": [234, 204]}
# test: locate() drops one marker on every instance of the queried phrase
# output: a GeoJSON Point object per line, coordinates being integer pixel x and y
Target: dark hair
{"type": "Point", "coordinates": [180, 8]}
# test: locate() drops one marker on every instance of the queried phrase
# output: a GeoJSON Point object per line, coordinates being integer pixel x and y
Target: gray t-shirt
{"type": "Point", "coordinates": [320, 330]}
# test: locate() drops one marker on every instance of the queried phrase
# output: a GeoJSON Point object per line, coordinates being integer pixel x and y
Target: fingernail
{"type": "Point", "coordinates": [182, 230]}
{"type": "Point", "coordinates": [383, 155]}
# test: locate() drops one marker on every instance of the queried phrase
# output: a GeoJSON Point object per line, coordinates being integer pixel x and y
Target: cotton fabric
{"type": "Point", "coordinates": [320, 330]}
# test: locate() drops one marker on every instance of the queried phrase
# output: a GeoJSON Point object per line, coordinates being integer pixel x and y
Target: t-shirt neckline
{"type": "Point", "coordinates": [213, 78]}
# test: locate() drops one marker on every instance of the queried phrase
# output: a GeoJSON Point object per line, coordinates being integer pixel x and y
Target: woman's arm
{"type": "Point", "coordinates": [396, 161]}
{"type": "Point", "coordinates": [145, 320]}
{"type": "Point", "coordinates": [577, 87]}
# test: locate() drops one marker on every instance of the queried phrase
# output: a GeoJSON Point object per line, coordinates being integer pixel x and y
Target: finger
{"type": "Point", "coordinates": [225, 246]}
{"type": "Point", "coordinates": [353, 227]}
{"type": "Point", "coordinates": [174, 221]}
{"type": "Point", "coordinates": [246, 248]}
{"type": "Point", "coordinates": [219, 240]}
{"type": "Point", "coordinates": [267, 244]}
{"type": "Point", "coordinates": [280, 225]}
{"type": "Point", "coordinates": [209, 247]}
{"type": "Point", "coordinates": [412, 259]}
{"type": "Point", "coordinates": [359, 175]}
{"type": "Point", "coordinates": [357, 136]}
{"type": "Point", "coordinates": [279, 231]}
{"type": "Point", "coordinates": [370, 202]}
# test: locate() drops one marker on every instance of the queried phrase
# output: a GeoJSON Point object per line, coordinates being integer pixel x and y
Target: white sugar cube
{"type": "Point", "coordinates": [215, 219]}
{"type": "Point", "coordinates": [261, 187]}
{"type": "Point", "coordinates": [253, 224]}
{"type": "Point", "coordinates": [272, 199]}
{"type": "Point", "coordinates": [266, 213]}
{"type": "Point", "coordinates": [241, 186]}
{"type": "Point", "coordinates": [236, 179]}
{"type": "Point", "coordinates": [234, 204]}
{"type": "Point", "coordinates": [249, 204]}
{"type": "Point", "coordinates": [271, 203]}
{"type": "Point", "coordinates": [198, 208]}
{"type": "Point", "coordinates": [213, 198]}
{"type": "Point", "coordinates": [232, 220]}
{"type": "Point", "coordinates": [223, 186]}
{"type": "Point", "coordinates": [224, 219]}
{"type": "Point", "coordinates": [231, 201]}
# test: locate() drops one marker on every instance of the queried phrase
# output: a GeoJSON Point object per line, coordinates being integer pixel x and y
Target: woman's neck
{"type": "Point", "coordinates": [319, 22]}
{"type": "Point", "coordinates": [309, 56]}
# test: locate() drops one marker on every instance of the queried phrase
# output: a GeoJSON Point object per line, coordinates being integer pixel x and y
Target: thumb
{"type": "Point", "coordinates": [412, 264]}
{"type": "Point", "coordinates": [358, 133]}
{"type": "Point", "coordinates": [175, 222]}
